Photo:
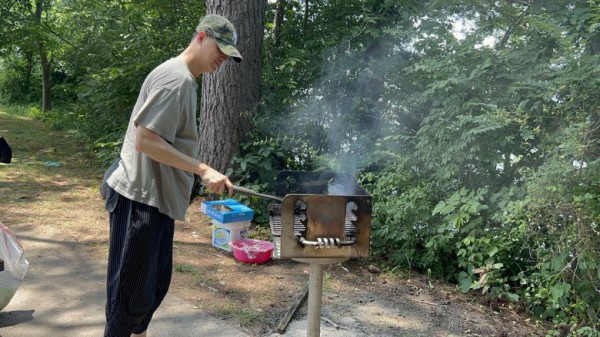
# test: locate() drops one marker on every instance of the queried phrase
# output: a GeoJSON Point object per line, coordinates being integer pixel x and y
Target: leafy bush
{"type": "Point", "coordinates": [17, 83]}
{"type": "Point", "coordinates": [259, 162]}
{"type": "Point", "coordinates": [59, 118]}
{"type": "Point", "coordinates": [535, 242]}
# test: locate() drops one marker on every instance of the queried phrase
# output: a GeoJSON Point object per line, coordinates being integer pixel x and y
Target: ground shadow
{"type": "Point", "coordinates": [15, 317]}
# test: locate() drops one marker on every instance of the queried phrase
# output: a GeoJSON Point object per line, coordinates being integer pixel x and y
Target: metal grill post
{"type": "Point", "coordinates": [318, 224]}
{"type": "Point", "coordinates": [315, 296]}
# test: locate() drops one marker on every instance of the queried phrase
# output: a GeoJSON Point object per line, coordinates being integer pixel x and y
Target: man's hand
{"type": "Point", "coordinates": [216, 182]}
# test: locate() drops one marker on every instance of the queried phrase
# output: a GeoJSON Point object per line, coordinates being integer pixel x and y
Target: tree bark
{"type": "Point", "coordinates": [230, 96]}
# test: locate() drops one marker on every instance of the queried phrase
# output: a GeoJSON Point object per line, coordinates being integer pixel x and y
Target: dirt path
{"type": "Point", "coordinates": [63, 295]}
{"type": "Point", "coordinates": [58, 214]}
{"type": "Point", "coordinates": [58, 217]}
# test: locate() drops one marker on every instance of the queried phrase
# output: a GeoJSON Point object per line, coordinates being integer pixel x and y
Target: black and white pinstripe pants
{"type": "Point", "coordinates": [140, 260]}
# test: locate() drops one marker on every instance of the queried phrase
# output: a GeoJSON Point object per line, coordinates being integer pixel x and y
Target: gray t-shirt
{"type": "Point", "coordinates": [166, 105]}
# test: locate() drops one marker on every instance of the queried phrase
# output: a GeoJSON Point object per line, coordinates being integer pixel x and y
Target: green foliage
{"type": "Point", "coordinates": [561, 204]}
{"type": "Point", "coordinates": [324, 83]}
{"type": "Point", "coordinates": [100, 53]}
{"type": "Point", "coordinates": [120, 51]}
{"type": "Point", "coordinates": [259, 162]}
{"type": "Point", "coordinates": [401, 213]}
{"type": "Point", "coordinates": [507, 146]}
{"type": "Point", "coordinates": [60, 118]}
{"type": "Point", "coordinates": [16, 81]}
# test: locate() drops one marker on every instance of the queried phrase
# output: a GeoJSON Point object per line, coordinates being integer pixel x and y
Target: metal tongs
{"type": "Point", "coordinates": [249, 192]}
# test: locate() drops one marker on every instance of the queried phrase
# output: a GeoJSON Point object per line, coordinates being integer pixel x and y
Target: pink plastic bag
{"type": "Point", "coordinates": [15, 265]}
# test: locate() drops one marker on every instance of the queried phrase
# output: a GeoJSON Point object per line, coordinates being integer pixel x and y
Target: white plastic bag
{"type": "Point", "coordinates": [15, 265]}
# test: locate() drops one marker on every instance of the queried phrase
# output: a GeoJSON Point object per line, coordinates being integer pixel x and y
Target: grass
{"type": "Point", "coordinates": [15, 110]}
{"type": "Point", "coordinates": [199, 277]}
{"type": "Point", "coordinates": [185, 268]}
{"type": "Point", "coordinates": [34, 143]}
{"type": "Point", "coordinates": [243, 315]}
{"type": "Point", "coordinates": [31, 191]}
{"type": "Point", "coordinates": [224, 306]}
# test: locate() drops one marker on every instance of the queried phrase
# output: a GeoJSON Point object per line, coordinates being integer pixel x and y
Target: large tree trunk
{"type": "Point", "coordinates": [231, 95]}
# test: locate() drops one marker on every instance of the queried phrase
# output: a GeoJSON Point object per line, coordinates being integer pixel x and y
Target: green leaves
{"type": "Point", "coordinates": [558, 294]}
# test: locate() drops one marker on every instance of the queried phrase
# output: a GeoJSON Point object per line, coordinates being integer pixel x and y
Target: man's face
{"type": "Point", "coordinates": [215, 57]}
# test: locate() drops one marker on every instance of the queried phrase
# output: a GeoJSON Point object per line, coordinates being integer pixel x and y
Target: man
{"type": "Point", "coordinates": [150, 186]}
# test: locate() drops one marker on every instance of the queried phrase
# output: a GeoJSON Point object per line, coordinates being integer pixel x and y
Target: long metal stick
{"type": "Point", "coordinates": [315, 297]}
{"type": "Point", "coordinates": [247, 191]}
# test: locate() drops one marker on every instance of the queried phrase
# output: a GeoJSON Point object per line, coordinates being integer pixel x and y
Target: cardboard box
{"type": "Point", "coordinates": [228, 210]}
{"type": "Point", "coordinates": [224, 233]}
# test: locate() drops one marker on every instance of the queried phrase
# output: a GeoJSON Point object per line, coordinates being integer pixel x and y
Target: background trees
{"type": "Point", "coordinates": [474, 125]}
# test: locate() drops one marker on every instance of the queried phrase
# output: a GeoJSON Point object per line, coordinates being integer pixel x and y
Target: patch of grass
{"type": "Point", "coordinates": [327, 280]}
{"type": "Point", "coordinates": [396, 272]}
{"type": "Point", "coordinates": [59, 118]}
{"type": "Point", "coordinates": [98, 245]}
{"type": "Point", "coordinates": [260, 232]}
{"type": "Point", "coordinates": [185, 268]}
{"type": "Point", "coordinates": [15, 110]}
{"type": "Point", "coordinates": [199, 276]}
{"type": "Point", "coordinates": [244, 315]}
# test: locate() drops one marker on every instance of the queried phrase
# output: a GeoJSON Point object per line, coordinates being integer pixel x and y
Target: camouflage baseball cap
{"type": "Point", "coordinates": [224, 33]}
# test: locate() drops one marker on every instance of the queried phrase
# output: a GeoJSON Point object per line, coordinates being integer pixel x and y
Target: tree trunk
{"type": "Point", "coordinates": [279, 16]}
{"type": "Point", "coordinates": [373, 88]}
{"type": "Point", "coordinates": [29, 57]}
{"type": "Point", "coordinates": [230, 96]}
{"type": "Point", "coordinates": [305, 24]}
{"type": "Point", "coordinates": [44, 63]}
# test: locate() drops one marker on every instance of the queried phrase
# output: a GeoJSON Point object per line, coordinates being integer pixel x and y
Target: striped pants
{"type": "Point", "coordinates": [140, 260]}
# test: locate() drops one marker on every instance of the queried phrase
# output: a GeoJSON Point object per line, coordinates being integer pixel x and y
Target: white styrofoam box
{"type": "Point", "coordinates": [224, 233]}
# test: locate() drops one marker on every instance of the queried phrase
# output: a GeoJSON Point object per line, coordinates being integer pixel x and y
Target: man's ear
{"type": "Point", "coordinates": [201, 36]}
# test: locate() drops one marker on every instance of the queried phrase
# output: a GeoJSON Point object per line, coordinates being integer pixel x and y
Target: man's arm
{"type": "Point", "coordinates": [158, 149]}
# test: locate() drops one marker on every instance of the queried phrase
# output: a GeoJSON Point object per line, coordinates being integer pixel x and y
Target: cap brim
{"type": "Point", "coordinates": [229, 50]}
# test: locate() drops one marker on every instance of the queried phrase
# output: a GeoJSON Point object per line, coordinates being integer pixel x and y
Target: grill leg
{"type": "Point", "coordinates": [315, 295]}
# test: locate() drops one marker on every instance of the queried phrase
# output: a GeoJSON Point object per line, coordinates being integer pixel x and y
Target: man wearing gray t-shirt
{"type": "Point", "coordinates": [150, 186]}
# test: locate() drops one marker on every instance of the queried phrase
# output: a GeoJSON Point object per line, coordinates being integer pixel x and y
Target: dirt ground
{"type": "Point", "coordinates": [358, 298]}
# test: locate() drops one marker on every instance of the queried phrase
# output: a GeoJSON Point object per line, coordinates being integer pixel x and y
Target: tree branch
{"type": "Point", "coordinates": [512, 28]}
{"type": "Point", "coordinates": [57, 35]}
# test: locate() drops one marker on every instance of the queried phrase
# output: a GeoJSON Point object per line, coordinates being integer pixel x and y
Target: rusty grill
{"type": "Point", "coordinates": [322, 215]}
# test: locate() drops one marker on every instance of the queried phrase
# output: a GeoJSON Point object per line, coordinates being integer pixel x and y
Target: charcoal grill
{"type": "Point", "coordinates": [324, 218]}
